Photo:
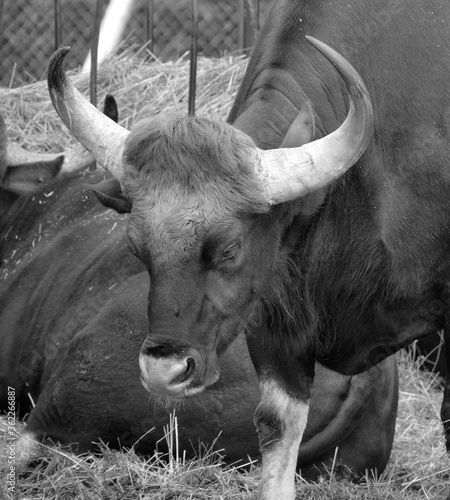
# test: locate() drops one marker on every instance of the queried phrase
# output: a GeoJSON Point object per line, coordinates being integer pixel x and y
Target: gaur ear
{"type": "Point", "coordinates": [110, 108]}
{"type": "Point", "coordinates": [31, 177]}
{"type": "Point", "coordinates": [109, 194]}
{"type": "Point", "coordinates": [302, 129]}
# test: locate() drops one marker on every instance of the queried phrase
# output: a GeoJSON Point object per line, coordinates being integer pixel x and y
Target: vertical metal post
{"type": "Point", "coordinates": [1, 12]}
{"type": "Point", "coordinates": [251, 26]}
{"type": "Point", "coordinates": [58, 28]}
{"type": "Point", "coordinates": [241, 24]}
{"type": "Point", "coordinates": [258, 13]}
{"type": "Point", "coordinates": [94, 52]}
{"type": "Point", "coordinates": [150, 15]}
{"type": "Point", "coordinates": [193, 62]}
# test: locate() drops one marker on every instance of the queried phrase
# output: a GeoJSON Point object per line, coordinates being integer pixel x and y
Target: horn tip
{"type": "Point", "coordinates": [56, 77]}
{"type": "Point", "coordinates": [353, 80]}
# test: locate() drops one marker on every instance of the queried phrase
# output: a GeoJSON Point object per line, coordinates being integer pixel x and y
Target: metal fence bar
{"type": "Point", "coordinates": [241, 24]}
{"type": "Point", "coordinates": [258, 13]}
{"type": "Point", "coordinates": [193, 62]}
{"type": "Point", "coordinates": [58, 27]}
{"type": "Point", "coordinates": [94, 53]}
{"type": "Point", "coordinates": [2, 2]}
{"type": "Point", "coordinates": [250, 23]}
{"type": "Point", "coordinates": [149, 23]}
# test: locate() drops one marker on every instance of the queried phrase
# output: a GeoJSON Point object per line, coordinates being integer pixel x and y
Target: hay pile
{"type": "Point", "coordinates": [418, 468]}
{"type": "Point", "coordinates": [142, 88]}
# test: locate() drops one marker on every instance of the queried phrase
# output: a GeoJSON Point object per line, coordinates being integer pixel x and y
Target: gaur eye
{"type": "Point", "coordinates": [231, 251]}
{"type": "Point", "coordinates": [213, 255]}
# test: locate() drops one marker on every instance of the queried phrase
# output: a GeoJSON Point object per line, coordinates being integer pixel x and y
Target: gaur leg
{"type": "Point", "coordinates": [281, 416]}
{"type": "Point", "coordinates": [281, 420]}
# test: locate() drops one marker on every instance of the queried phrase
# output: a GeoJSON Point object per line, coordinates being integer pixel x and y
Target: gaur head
{"type": "Point", "coordinates": [208, 217]}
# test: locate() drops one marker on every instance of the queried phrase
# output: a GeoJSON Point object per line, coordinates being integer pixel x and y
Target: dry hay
{"type": "Point", "coordinates": [419, 464]}
{"type": "Point", "coordinates": [419, 467]}
{"type": "Point", "coordinates": [142, 88]}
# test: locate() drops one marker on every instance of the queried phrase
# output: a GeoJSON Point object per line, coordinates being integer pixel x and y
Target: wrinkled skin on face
{"type": "Point", "coordinates": [200, 224]}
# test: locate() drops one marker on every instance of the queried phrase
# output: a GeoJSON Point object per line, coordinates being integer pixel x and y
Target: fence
{"type": "Point", "coordinates": [27, 31]}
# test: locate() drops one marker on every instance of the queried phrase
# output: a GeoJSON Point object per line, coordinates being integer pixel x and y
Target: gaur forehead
{"type": "Point", "coordinates": [178, 225]}
{"type": "Point", "coordinates": [198, 160]}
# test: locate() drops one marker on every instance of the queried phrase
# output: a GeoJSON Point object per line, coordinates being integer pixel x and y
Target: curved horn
{"type": "Point", "coordinates": [289, 173]}
{"type": "Point", "coordinates": [103, 138]}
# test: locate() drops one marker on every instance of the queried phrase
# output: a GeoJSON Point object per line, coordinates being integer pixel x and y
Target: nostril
{"type": "Point", "coordinates": [182, 377]}
{"type": "Point", "coordinates": [157, 350]}
{"type": "Point", "coordinates": [146, 349]}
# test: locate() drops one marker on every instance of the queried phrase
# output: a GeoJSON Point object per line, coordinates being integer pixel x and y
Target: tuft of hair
{"type": "Point", "coordinates": [196, 156]}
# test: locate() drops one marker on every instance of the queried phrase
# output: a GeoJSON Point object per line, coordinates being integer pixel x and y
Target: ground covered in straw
{"type": "Point", "coordinates": [418, 467]}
